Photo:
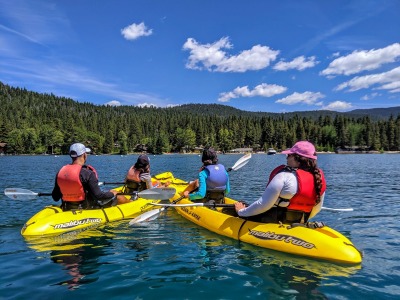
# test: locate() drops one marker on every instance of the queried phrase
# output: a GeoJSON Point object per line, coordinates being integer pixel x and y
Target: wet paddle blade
{"type": "Point", "coordinates": [337, 209]}
{"type": "Point", "coordinates": [147, 216]}
{"type": "Point", "coordinates": [241, 162]}
{"type": "Point", "coordinates": [158, 193]}
{"type": "Point", "coordinates": [20, 194]}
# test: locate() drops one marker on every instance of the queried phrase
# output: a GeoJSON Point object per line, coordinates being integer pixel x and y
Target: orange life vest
{"type": "Point", "coordinates": [133, 182]}
{"type": "Point", "coordinates": [133, 175]}
{"type": "Point", "coordinates": [305, 198]}
{"type": "Point", "coordinates": [68, 179]}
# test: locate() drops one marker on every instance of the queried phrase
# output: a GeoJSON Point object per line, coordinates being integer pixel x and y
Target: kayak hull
{"type": "Point", "coordinates": [53, 221]}
{"type": "Point", "coordinates": [320, 243]}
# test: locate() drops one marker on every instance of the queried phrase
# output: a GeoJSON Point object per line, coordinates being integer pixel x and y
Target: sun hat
{"type": "Point", "coordinates": [78, 149]}
{"type": "Point", "coordinates": [302, 148]}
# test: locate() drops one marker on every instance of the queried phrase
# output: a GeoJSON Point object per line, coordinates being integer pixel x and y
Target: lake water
{"type": "Point", "coordinates": [171, 258]}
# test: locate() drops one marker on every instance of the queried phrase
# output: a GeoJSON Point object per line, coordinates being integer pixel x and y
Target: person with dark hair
{"type": "Point", "coordinates": [138, 177]}
{"type": "Point", "coordinates": [77, 186]}
{"type": "Point", "coordinates": [294, 193]}
{"type": "Point", "coordinates": [212, 182]}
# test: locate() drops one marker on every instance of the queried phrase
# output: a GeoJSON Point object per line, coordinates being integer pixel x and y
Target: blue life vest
{"type": "Point", "coordinates": [217, 178]}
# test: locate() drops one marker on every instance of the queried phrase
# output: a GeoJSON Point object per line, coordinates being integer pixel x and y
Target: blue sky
{"type": "Point", "coordinates": [257, 55]}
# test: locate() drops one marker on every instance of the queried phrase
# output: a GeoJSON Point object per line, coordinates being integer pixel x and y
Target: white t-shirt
{"type": "Point", "coordinates": [283, 185]}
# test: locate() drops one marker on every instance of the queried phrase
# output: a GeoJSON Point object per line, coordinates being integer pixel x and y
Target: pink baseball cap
{"type": "Point", "coordinates": [302, 148]}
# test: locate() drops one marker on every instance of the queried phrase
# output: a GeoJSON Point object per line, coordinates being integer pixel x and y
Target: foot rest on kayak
{"type": "Point", "coordinates": [311, 225]}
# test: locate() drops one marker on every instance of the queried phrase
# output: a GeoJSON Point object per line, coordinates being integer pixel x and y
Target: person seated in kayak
{"type": "Point", "coordinates": [138, 177]}
{"type": "Point", "coordinates": [212, 182]}
{"type": "Point", "coordinates": [294, 193]}
{"type": "Point", "coordinates": [76, 184]}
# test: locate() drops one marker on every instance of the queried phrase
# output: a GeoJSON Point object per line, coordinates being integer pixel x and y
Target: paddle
{"type": "Point", "coordinates": [207, 204]}
{"type": "Point", "coordinates": [337, 209]}
{"type": "Point", "coordinates": [153, 214]}
{"type": "Point", "coordinates": [151, 194]}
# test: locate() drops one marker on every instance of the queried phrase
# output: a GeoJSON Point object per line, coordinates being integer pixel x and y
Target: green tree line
{"type": "Point", "coordinates": [34, 123]}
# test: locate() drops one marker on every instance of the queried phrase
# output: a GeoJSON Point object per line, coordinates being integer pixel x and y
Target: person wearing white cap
{"type": "Point", "coordinates": [77, 186]}
{"type": "Point", "coordinates": [294, 193]}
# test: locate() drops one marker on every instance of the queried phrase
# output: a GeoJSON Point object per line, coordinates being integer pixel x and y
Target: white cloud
{"type": "Point", "coordinates": [393, 87]}
{"type": "Point", "coordinates": [113, 103]}
{"type": "Point", "coordinates": [388, 80]}
{"type": "Point", "coordinates": [172, 105]}
{"type": "Point", "coordinates": [338, 106]}
{"type": "Point", "coordinates": [135, 31]}
{"type": "Point", "coordinates": [299, 63]}
{"type": "Point", "coordinates": [370, 96]}
{"type": "Point", "coordinates": [262, 90]}
{"type": "Point", "coordinates": [309, 98]}
{"type": "Point", "coordinates": [212, 57]}
{"type": "Point", "coordinates": [359, 61]}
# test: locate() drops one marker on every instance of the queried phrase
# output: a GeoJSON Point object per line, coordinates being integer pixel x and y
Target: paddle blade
{"type": "Point", "coordinates": [147, 216]}
{"type": "Point", "coordinates": [20, 194]}
{"type": "Point", "coordinates": [241, 162]}
{"type": "Point", "coordinates": [158, 193]}
{"type": "Point", "coordinates": [337, 209]}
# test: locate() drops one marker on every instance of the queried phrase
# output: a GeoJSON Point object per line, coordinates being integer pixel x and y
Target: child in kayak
{"type": "Point", "coordinates": [294, 193]}
{"type": "Point", "coordinates": [138, 177]}
{"type": "Point", "coordinates": [212, 182]}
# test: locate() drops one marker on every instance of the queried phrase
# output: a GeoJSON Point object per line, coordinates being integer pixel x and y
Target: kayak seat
{"type": "Point", "coordinates": [75, 205]}
{"type": "Point", "coordinates": [218, 196]}
{"type": "Point", "coordinates": [131, 187]}
{"type": "Point", "coordinates": [280, 215]}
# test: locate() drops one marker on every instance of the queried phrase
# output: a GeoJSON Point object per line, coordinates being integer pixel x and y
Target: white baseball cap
{"type": "Point", "coordinates": [78, 149]}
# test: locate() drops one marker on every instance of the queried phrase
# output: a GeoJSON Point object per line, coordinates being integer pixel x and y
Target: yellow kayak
{"type": "Point", "coordinates": [53, 221]}
{"type": "Point", "coordinates": [322, 243]}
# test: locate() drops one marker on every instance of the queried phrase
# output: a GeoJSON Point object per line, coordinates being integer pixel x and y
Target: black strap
{"type": "Point", "coordinates": [104, 212]}
{"type": "Point", "coordinates": [240, 228]}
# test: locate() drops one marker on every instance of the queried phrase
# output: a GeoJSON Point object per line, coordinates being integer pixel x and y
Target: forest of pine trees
{"type": "Point", "coordinates": [34, 123]}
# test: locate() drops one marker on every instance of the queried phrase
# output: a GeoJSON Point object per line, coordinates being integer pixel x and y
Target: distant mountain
{"type": "Point", "coordinates": [213, 109]}
{"type": "Point", "coordinates": [383, 113]}
{"type": "Point", "coordinates": [225, 111]}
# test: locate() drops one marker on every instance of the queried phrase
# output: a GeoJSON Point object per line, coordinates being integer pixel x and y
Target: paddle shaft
{"type": "Point", "coordinates": [208, 204]}
{"type": "Point", "coordinates": [229, 206]}
{"type": "Point", "coordinates": [106, 183]}
{"type": "Point", "coordinates": [153, 194]}
{"type": "Point", "coordinates": [124, 194]}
